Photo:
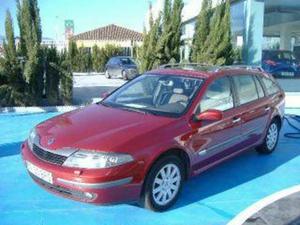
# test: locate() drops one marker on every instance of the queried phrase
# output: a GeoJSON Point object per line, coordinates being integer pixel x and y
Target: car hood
{"type": "Point", "coordinates": [98, 127]}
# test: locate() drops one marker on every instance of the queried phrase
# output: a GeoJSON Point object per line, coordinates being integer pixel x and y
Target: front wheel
{"type": "Point", "coordinates": [271, 139]}
{"type": "Point", "coordinates": [163, 183]}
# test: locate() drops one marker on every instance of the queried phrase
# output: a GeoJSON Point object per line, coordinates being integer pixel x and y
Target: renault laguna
{"type": "Point", "coordinates": [141, 142]}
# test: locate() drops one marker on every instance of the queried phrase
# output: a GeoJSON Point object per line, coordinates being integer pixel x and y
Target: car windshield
{"type": "Point", "coordinates": [126, 61]}
{"type": "Point", "coordinates": [166, 95]}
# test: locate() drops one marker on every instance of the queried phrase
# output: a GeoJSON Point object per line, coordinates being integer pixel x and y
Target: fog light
{"type": "Point", "coordinates": [88, 195]}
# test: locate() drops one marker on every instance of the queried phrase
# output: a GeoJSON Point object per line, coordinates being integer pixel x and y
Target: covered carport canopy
{"type": "Point", "coordinates": [282, 19]}
{"type": "Point", "coordinates": [269, 18]}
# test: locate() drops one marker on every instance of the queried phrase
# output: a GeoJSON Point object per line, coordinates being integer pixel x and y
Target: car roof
{"type": "Point", "coordinates": [206, 72]}
{"type": "Point", "coordinates": [122, 57]}
{"type": "Point", "coordinates": [274, 50]}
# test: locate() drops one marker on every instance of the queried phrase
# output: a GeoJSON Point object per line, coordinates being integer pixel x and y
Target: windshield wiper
{"type": "Point", "coordinates": [132, 109]}
{"type": "Point", "coordinates": [143, 111]}
{"type": "Point", "coordinates": [104, 104]}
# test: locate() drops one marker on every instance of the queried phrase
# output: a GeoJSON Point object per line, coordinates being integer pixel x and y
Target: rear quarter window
{"type": "Point", "coordinates": [259, 87]}
{"type": "Point", "coordinates": [270, 85]}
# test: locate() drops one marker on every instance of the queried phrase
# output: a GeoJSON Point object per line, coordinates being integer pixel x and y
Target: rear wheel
{"type": "Point", "coordinates": [107, 75]}
{"type": "Point", "coordinates": [163, 183]}
{"type": "Point", "coordinates": [271, 139]}
{"type": "Point", "coordinates": [124, 75]}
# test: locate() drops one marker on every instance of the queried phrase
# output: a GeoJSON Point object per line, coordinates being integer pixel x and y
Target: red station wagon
{"type": "Point", "coordinates": [142, 141]}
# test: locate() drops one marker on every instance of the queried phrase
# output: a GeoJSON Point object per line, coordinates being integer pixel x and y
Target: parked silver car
{"type": "Point", "coordinates": [121, 67]}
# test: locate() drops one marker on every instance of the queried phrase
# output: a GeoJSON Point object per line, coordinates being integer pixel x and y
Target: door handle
{"type": "Point", "coordinates": [267, 108]}
{"type": "Point", "coordinates": [236, 119]}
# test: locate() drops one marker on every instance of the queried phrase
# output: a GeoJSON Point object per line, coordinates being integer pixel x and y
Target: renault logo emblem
{"type": "Point", "coordinates": [50, 141]}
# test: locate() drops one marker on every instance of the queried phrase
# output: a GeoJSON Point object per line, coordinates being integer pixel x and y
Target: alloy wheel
{"type": "Point", "coordinates": [272, 136]}
{"type": "Point", "coordinates": [166, 184]}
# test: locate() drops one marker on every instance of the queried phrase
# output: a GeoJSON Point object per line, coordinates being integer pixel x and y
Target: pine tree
{"type": "Point", "coordinates": [147, 57]}
{"type": "Point", "coordinates": [168, 47]}
{"type": "Point", "coordinates": [31, 31]}
{"type": "Point", "coordinates": [22, 46]}
{"type": "Point", "coordinates": [11, 63]}
{"type": "Point", "coordinates": [176, 28]}
{"type": "Point", "coordinates": [224, 52]}
{"type": "Point", "coordinates": [163, 49]}
{"type": "Point", "coordinates": [201, 32]}
{"type": "Point", "coordinates": [218, 44]}
{"type": "Point", "coordinates": [11, 85]}
{"type": "Point", "coordinates": [9, 46]}
{"type": "Point", "coordinates": [167, 15]}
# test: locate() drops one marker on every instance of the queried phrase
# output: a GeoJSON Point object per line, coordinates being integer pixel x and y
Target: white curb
{"type": "Point", "coordinates": [247, 213]}
{"type": "Point", "coordinates": [38, 109]}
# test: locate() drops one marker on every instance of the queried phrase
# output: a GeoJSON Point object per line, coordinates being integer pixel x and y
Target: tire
{"type": "Point", "coordinates": [160, 194]}
{"type": "Point", "coordinates": [124, 75]}
{"type": "Point", "coordinates": [271, 139]}
{"type": "Point", "coordinates": [107, 75]}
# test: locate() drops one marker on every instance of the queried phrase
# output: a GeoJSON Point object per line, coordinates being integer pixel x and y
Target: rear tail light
{"type": "Point", "coordinates": [271, 62]}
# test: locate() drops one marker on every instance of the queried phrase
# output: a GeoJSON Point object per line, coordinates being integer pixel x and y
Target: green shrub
{"type": "Point", "coordinates": [100, 56]}
{"type": "Point", "coordinates": [52, 75]}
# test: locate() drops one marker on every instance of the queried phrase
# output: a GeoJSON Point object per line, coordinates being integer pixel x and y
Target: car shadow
{"type": "Point", "coordinates": [10, 149]}
{"type": "Point", "coordinates": [239, 170]}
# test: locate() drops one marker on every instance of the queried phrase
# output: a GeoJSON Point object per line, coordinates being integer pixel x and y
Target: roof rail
{"type": "Point", "coordinates": [247, 67]}
{"type": "Point", "coordinates": [207, 67]}
{"type": "Point", "coordinates": [183, 65]}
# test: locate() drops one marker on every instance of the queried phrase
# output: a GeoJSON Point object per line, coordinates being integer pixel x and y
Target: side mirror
{"type": "Point", "coordinates": [210, 115]}
{"type": "Point", "coordinates": [104, 94]}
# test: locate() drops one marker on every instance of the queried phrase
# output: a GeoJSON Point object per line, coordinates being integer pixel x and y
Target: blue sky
{"type": "Point", "coordinates": [87, 14]}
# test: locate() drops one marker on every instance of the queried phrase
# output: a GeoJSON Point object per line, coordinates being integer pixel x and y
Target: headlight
{"type": "Point", "coordinates": [96, 160]}
{"type": "Point", "coordinates": [33, 137]}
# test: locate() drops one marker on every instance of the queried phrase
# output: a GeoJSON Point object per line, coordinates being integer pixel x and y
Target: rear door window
{"type": "Point", "coordinates": [245, 88]}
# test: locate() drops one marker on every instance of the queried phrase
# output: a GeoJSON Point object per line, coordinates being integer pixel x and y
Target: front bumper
{"type": "Point", "coordinates": [100, 186]}
{"type": "Point", "coordinates": [131, 73]}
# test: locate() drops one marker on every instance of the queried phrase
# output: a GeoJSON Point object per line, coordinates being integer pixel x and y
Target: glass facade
{"type": "Point", "coordinates": [268, 31]}
{"type": "Point", "coordinates": [238, 23]}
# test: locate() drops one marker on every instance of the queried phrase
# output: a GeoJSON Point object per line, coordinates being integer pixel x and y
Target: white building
{"type": "Point", "coordinates": [189, 16]}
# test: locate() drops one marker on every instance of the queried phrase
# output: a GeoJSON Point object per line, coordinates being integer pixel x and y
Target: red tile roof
{"type": "Point", "coordinates": [110, 32]}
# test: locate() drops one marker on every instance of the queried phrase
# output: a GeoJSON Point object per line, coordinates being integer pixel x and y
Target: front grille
{"type": "Point", "coordinates": [79, 195]}
{"type": "Point", "coordinates": [48, 156]}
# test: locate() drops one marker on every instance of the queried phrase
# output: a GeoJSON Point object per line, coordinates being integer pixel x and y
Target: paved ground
{"type": "Point", "coordinates": [91, 86]}
{"type": "Point", "coordinates": [212, 198]}
{"type": "Point", "coordinates": [285, 211]}
{"type": "Point", "coordinates": [290, 85]}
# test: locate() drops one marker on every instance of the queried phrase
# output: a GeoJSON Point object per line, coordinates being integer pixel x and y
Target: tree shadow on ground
{"type": "Point", "coordinates": [10, 149]}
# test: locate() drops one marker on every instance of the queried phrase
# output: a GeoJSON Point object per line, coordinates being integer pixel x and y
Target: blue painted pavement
{"type": "Point", "coordinates": [212, 198]}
